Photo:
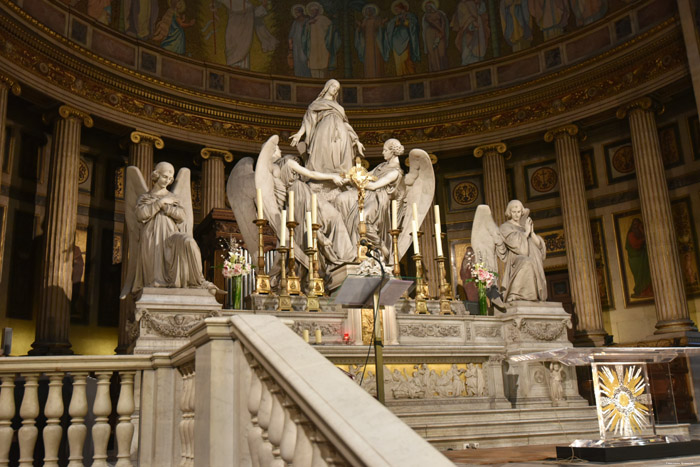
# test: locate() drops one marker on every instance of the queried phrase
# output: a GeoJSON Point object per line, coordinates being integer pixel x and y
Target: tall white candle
{"type": "Point", "coordinates": [415, 213]}
{"type": "Point", "coordinates": [394, 214]}
{"type": "Point", "coordinates": [309, 231]}
{"type": "Point", "coordinates": [416, 247]}
{"type": "Point", "coordinates": [362, 215]}
{"type": "Point", "coordinates": [438, 231]}
{"type": "Point", "coordinates": [314, 208]}
{"type": "Point", "coordinates": [260, 203]}
{"type": "Point", "coordinates": [283, 229]}
{"type": "Point", "coordinates": [437, 213]}
{"type": "Point", "coordinates": [290, 202]}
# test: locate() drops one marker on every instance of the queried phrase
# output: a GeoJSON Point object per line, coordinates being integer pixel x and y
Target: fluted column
{"type": "Point", "coordinates": [6, 84]}
{"type": "Point", "coordinates": [495, 184]}
{"type": "Point", "coordinates": [53, 320]}
{"type": "Point", "coordinates": [579, 241]}
{"type": "Point", "coordinates": [686, 16]}
{"type": "Point", "coordinates": [141, 152]}
{"type": "Point", "coordinates": [667, 281]}
{"type": "Point", "coordinates": [213, 183]}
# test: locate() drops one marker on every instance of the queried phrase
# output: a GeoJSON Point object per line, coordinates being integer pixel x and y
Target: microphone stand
{"type": "Point", "coordinates": [378, 344]}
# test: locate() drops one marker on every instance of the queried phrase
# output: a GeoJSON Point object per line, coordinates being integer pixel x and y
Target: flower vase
{"type": "Point", "coordinates": [237, 292]}
{"type": "Point", "coordinates": [228, 304]}
{"type": "Point", "coordinates": [483, 303]}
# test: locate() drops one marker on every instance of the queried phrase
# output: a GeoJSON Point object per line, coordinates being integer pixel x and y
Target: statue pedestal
{"type": "Point", "coordinates": [408, 307]}
{"type": "Point", "coordinates": [338, 275]}
{"type": "Point", "coordinates": [164, 318]}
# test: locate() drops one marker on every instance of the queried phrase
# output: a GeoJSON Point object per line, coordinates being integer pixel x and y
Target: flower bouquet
{"type": "Point", "coordinates": [234, 268]}
{"type": "Point", "coordinates": [485, 280]}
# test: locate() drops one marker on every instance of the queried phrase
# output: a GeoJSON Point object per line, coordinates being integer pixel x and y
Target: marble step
{"type": "Point", "coordinates": [512, 438]}
{"type": "Point", "coordinates": [476, 416]}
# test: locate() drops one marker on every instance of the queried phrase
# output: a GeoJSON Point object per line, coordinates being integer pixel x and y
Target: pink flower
{"type": "Point", "coordinates": [237, 269]}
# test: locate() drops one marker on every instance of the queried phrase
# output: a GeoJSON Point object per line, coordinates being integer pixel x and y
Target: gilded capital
{"type": "Point", "coordinates": [498, 148]}
{"type": "Point", "coordinates": [66, 111]}
{"type": "Point", "coordinates": [139, 136]}
{"type": "Point", "coordinates": [551, 135]}
{"type": "Point", "coordinates": [643, 103]}
{"type": "Point", "coordinates": [206, 153]}
{"type": "Point", "coordinates": [6, 81]}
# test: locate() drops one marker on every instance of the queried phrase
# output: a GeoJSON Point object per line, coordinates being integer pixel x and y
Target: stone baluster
{"type": "Point", "coordinates": [6, 84]}
{"type": "Point", "coordinates": [53, 318]}
{"type": "Point", "coordinates": [213, 178]}
{"type": "Point", "coordinates": [7, 412]}
{"type": "Point", "coordinates": [579, 240]}
{"type": "Point", "coordinates": [667, 281]}
{"type": "Point", "coordinates": [102, 408]}
{"type": "Point", "coordinates": [495, 183]}
{"type": "Point", "coordinates": [276, 428]}
{"type": "Point", "coordinates": [319, 446]}
{"type": "Point", "coordinates": [264, 418]}
{"type": "Point", "coordinates": [254, 433]}
{"type": "Point", "coordinates": [187, 422]}
{"type": "Point", "coordinates": [303, 450]}
{"type": "Point", "coordinates": [29, 410]}
{"type": "Point", "coordinates": [289, 432]}
{"type": "Point", "coordinates": [53, 410]}
{"type": "Point", "coordinates": [141, 152]}
{"type": "Point", "coordinates": [125, 429]}
{"type": "Point", "coordinates": [77, 409]}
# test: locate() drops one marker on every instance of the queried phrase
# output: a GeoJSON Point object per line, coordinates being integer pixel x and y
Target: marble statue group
{"type": "Point", "coordinates": [322, 179]}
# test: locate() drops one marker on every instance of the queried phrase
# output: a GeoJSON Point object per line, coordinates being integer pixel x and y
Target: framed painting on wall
{"type": "Point", "coordinates": [686, 238]}
{"type": "Point", "coordinates": [458, 249]}
{"type": "Point", "coordinates": [541, 180]}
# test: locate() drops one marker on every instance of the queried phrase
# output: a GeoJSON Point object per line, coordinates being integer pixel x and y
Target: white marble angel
{"type": "Point", "coordinates": [162, 252]}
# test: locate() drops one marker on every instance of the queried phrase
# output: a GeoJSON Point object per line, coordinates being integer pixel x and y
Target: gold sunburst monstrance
{"type": "Point", "coordinates": [625, 402]}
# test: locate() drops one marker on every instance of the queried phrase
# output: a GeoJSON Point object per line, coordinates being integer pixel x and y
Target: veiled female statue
{"type": "Point", "coordinates": [162, 252]}
{"type": "Point", "coordinates": [329, 139]}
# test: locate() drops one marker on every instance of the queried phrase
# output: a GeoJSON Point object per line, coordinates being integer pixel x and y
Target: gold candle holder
{"type": "Point", "coordinates": [293, 282]}
{"type": "Point", "coordinates": [445, 288]}
{"type": "Point", "coordinates": [319, 287]}
{"type": "Point", "coordinates": [362, 230]}
{"type": "Point", "coordinates": [424, 272]}
{"type": "Point", "coordinates": [312, 303]}
{"type": "Point", "coordinates": [262, 280]}
{"type": "Point", "coordinates": [395, 248]}
{"type": "Point", "coordinates": [421, 304]}
{"type": "Point", "coordinates": [285, 301]}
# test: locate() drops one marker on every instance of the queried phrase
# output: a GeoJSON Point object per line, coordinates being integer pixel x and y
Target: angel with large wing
{"type": "Point", "coordinates": [162, 252]}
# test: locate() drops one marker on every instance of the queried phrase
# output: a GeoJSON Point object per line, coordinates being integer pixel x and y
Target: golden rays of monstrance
{"type": "Point", "coordinates": [624, 404]}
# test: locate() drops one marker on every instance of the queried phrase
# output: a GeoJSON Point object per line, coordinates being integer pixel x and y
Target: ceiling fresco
{"type": "Point", "coordinates": [346, 38]}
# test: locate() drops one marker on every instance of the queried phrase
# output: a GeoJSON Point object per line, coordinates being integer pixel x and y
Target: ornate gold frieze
{"type": "Point", "coordinates": [138, 136]}
{"type": "Point", "coordinates": [206, 153]}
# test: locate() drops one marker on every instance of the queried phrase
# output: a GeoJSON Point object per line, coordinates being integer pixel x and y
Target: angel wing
{"type": "Point", "coordinates": [183, 192]}
{"type": "Point", "coordinates": [487, 240]}
{"type": "Point", "coordinates": [135, 187]}
{"type": "Point", "coordinates": [420, 189]}
{"type": "Point", "coordinates": [240, 190]}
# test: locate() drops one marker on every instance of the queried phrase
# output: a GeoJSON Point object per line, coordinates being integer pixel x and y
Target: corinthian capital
{"type": "Point", "coordinates": [570, 129]}
{"type": "Point", "coordinates": [139, 136]}
{"type": "Point", "coordinates": [498, 148]}
{"type": "Point", "coordinates": [6, 81]}
{"type": "Point", "coordinates": [66, 112]}
{"type": "Point", "coordinates": [643, 103]}
{"type": "Point", "coordinates": [206, 153]}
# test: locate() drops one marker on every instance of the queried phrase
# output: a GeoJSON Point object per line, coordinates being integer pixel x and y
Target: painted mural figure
{"type": "Point", "coordinates": [402, 38]}
{"type": "Point", "coordinates": [244, 19]}
{"type": "Point", "coordinates": [101, 10]}
{"type": "Point", "coordinates": [588, 11]}
{"type": "Point", "coordinates": [370, 42]}
{"type": "Point", "coordinates": [329, 139]}
{"type": "Point", "coordinates": [298, 61]}
{"type": "Point", "coordinates": [638, 257]}
{"type": "Point", "coordinates": [551, 16]}
{"type": "Point", "coordinates": [471, 23]}
{"type": "Point", "coordinates": [170, 30]}
{"type": "Point", "coordinates": [515, 23]}
{"type": "Point", "coordinates": [436, 34]}
{"type": "Point", "coordinates": [140, 17]}
{"type": "Point", "coordinates": [321, 41]}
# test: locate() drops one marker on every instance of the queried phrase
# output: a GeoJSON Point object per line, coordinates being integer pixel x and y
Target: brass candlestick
{"type": "Point", "coordinates": [262, 280]}
{"type": "Point", "coordinates": [445, 288]}
{"type": "Point", "coordinates": [362, 230]}
{"type": "Point", "coordinates": [424, 272]}
{"type": "Point", "coordinates": [293, 282]}
{"type": "Point", "coordinates": [395, 248]}
{"type": "Point", "coordinates": [421, 305]}
{"type": "Point", "coordinates": [311, 297]}
{"type": "Point", "coordinates": [319, 288]}
{"type": "Point", "coordinates": [285, 301]}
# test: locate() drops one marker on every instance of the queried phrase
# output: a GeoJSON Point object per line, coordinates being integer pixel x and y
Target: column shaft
{"type": "Point", "coordinates": [667, 281]}
{"type": "Point", "coordinates": [495, 183]}
{"type": "Point", "coordinates": [6, 84]}
{"type": "Point", "coordinates": [212, 184]}
{"type": "Point", "coordinates": [579, 243]}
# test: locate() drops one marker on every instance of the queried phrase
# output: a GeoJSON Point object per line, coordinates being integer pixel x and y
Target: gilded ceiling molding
{"type": "Point", "coordinates": [139, 136]}
{"type": "Point", "coordinates": [6, 81]}
{"type": "Point", "coordinates": [206, 153]}
{"type": "Point", "coordinates": [495, 148]}
{"type": "Point", "coordinates": [570, 129]}
{"type": "Point", "coordinates": [644, 103]}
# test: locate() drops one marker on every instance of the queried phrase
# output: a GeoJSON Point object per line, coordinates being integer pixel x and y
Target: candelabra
{"type": "Point", "coordinates": [362, 230]}
{"type": "Point", "coordinates": [262, 280]}
{"type": "Point", "coordinates": [318, 288]}
{"type": "Point", "coordinates": [424, 272]}
{"type": "Point", "coordinates": [311, 296]}
{"type": "Point", "coordinates": [421, 304]}
{"type": "Point", "coordinates": [293, 282]}
{"type": "Point", "coordinates": [445, 288]}
{"type": "Point", "coordinates": [395, 248]}
{"type": "Point", "coordinates": [285, 301]}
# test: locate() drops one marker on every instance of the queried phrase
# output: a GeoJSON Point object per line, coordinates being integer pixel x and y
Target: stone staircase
{"type": "Point", "coordinates": [460, 429]}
